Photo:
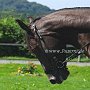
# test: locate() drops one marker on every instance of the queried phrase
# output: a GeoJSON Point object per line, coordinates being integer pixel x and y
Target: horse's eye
{"type": "Point", "coordinates": [33, 26]}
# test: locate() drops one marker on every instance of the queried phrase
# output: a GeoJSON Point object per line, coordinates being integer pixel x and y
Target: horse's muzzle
{"type": "Point", "coordinates": [57, 77]}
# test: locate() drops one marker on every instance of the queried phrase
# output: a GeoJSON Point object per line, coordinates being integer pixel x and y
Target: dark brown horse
{"type": "Point", "coordinates": [54, 32]}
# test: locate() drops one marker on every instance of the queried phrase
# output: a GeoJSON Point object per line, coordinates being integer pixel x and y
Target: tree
{"type": "Point", "coordinates": [10, 32]}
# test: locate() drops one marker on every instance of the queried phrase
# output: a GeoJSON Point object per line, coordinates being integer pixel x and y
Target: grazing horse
{"type": "Point", "coordinates": [53, 32]}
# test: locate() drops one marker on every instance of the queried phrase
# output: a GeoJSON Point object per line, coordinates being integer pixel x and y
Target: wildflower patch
{"type": "Point", "coordinates": [29, 69]}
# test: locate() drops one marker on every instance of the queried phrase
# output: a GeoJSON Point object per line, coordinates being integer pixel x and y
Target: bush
{"type": "Point", "coordinates": [10, 32]}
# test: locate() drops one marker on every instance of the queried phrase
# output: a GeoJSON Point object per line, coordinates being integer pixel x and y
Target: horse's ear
{"type": "Point", "coordinates": [24, 27]}
{"type": "Point", "coordinates": [30, 19]}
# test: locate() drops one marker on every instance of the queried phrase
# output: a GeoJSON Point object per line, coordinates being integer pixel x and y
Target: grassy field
{"type": "Point", "coordinates": [16, 58]}
{"type": "Point", "coordinates": [81, 60]}
{"type": "Point", "coordinates": [27, 58]}
{"type": "Point", "coordinates": [79, 79]}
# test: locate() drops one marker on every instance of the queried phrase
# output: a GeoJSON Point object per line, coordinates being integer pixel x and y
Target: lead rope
{"type": "Point", "coordinates": [75, 54]}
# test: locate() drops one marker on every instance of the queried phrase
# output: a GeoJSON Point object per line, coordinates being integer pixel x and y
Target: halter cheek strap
{"type": "Point", "coordinates": [58, 64]}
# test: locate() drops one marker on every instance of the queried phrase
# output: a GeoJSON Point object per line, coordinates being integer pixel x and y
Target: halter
{"type": "Point", "coordinates": [60, 64]}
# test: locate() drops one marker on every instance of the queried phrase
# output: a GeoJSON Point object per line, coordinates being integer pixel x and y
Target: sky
{"type": "Point", "coordinates": [58, 4]}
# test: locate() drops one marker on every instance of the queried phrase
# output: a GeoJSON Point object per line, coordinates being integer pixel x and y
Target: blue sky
{"type": "Point", "coordinates": [58, 4]}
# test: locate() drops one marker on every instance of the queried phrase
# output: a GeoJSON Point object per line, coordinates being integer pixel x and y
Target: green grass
{"type": "Point", "coordinates": [79, 79]}
{"type": "Point", "coordinates": [27, 58]}
{"type": "Point", "coordinates": [81, 60]}
{"type": "Point", "coordinates": [16, 58]}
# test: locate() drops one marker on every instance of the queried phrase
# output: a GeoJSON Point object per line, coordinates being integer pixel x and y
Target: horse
{"type": "Point", "coordinates": [53, 32]}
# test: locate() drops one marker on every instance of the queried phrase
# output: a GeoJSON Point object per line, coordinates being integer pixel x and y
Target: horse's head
{"type": "Point", "coordinates": [47, 48]}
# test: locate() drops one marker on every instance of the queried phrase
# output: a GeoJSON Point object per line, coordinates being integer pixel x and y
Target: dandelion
{"type": "Point", "coordinates": [19, 70]}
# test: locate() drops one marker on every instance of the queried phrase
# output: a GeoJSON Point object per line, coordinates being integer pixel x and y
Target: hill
{"type": "Point", "coordinates": [22, 8]}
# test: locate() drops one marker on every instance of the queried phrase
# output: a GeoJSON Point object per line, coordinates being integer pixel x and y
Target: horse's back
{"type": "Point", "coordinates": [73, 17]}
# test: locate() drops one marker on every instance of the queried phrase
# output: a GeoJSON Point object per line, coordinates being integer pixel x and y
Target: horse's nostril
{"type": "Point", "coordinates": [52, 78]}
{"type": "Point", "coordinates": [53, 81]}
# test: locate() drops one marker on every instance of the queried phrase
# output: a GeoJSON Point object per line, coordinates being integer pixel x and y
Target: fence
{"type": "Point", "coordinates": [23, 45]}
{"type": "Point", "coordinates": [13, 49]}
{"type": "Point", "coordinates": [11, 44]}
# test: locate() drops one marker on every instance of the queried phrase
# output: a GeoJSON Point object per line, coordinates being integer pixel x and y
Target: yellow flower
{"type": "Point", "coordinates": [19, 71]}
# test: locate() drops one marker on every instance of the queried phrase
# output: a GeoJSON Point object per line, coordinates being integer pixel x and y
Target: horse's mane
{"type": "Point", "coordinates": [73, 8]}
{"type": "Point", "coordinates": [38, 18]}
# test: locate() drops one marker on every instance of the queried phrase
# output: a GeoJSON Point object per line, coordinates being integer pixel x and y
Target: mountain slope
{"type": "Point", "coordinates": [22, 8]}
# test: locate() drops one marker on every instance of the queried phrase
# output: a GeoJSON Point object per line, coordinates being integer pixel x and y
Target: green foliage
{"type": "Point", "coordinates": [22, 8]}
{"type": "Point", "coordinates": [30, 69]}
{"type": "Point", "coordinates": [10, 32]}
